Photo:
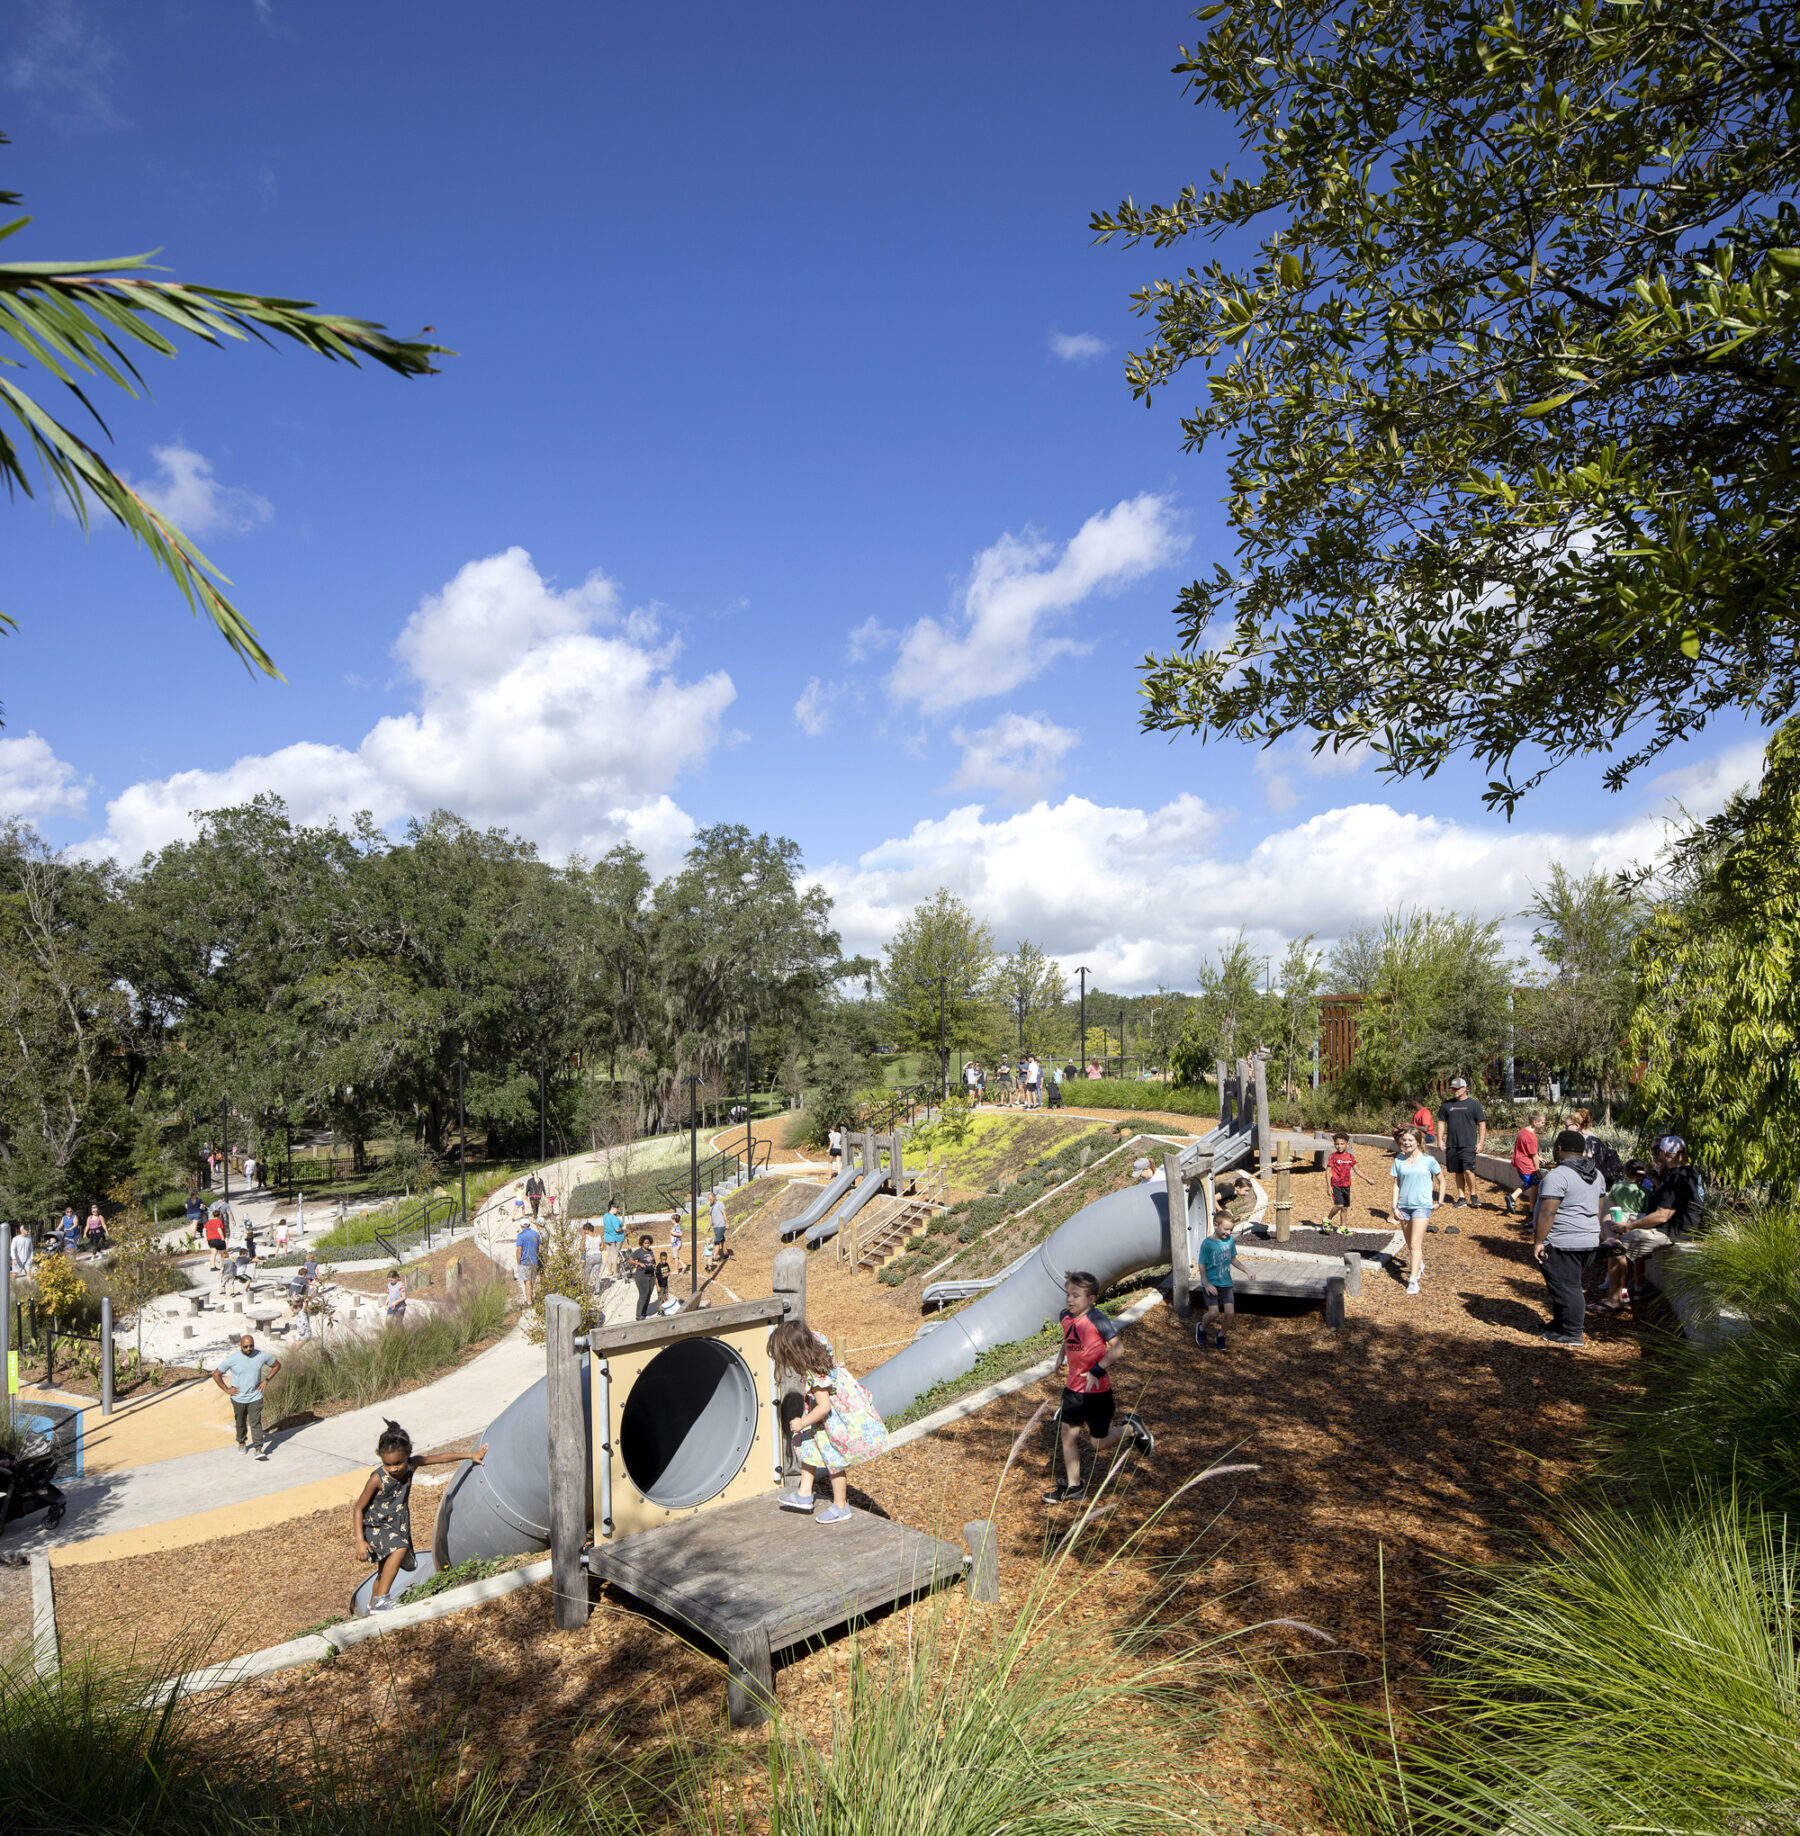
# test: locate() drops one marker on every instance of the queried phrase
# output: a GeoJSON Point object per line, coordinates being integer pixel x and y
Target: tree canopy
{"type": "Point", "coordinates": [78, 320]}
{"type": "Point", "coordinates": [1508, 388]}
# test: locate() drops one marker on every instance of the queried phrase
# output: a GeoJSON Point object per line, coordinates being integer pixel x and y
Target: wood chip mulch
{"type": "Point", "coordinates": [1425, 1437]}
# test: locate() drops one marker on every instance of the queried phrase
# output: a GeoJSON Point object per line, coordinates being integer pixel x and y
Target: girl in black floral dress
{"type": "Point", "coordinates": [382, 1513]}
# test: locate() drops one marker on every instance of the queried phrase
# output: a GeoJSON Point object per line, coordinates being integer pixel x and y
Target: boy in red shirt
{"type": "Point", "coordinates": [1090, 1343]}
{"type": "Point", "coordinates": [1525, 1158]}
{"type": "Point", "coordinates": [1424, 1121]}
{"type": "Point", "coordinates": [1340, 1169]}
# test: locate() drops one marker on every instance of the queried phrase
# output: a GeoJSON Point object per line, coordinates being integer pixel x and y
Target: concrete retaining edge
{"type": "Point", "coordinates": [45, 1656]}
{"type": "Point", "coordinates": [317, 1647]}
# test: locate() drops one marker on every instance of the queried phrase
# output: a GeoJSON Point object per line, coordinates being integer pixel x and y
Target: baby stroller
{"type": "Point", "coordinates": [27, 1485]}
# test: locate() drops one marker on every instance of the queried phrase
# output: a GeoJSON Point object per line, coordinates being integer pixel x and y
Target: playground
{"type": "Point", "coordinates": [1368, 1460]}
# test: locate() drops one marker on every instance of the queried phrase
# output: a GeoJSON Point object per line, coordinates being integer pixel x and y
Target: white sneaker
{"type": "Point", "coordinates": [1412, 1287]}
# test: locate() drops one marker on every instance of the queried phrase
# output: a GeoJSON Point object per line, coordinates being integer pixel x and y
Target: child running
{"type": "Point", "coordinates": [1414, 1174]}
{"type": "Point", "coordinates": [381, 1518]}
{"type": "Point", "coordinates": [1217, 1254]}
{"type": "Point", "coordinates": [840, 1427]}
{"type": "Point", "coordinates": [1090, 1343]}
{"type": "Point", "coordinates": [1340, 1168]}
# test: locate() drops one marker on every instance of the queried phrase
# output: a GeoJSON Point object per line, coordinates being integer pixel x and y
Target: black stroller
{"type": "Point", "coordinates": [27, 1484]}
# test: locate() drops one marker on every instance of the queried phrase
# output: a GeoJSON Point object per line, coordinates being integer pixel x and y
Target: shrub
{"type": "Point", "coordinates": [368, 1367]}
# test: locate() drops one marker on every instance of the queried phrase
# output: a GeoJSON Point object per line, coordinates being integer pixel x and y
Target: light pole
{"type": "Point", "coordinates": [225, 1145]}
{"type": "Point", "coordinates": [693, 1084]}
{"type": "Point", "coordinates": [749, 1139]}
{"type": "Point", "coordinates": [1084, 972]}
{"type": "Point", "coordinates": [943, 1051]}
{"type": "Point", "coordinates": [462, 1135]}
{"type": "Point", "coordinates": [540, 1109]}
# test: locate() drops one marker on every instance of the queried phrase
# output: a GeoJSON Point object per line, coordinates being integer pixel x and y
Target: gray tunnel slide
{"type": "Point", "coordinates": [827, 1228]}
{"type": "Point", "coordinates": [683, 1424]}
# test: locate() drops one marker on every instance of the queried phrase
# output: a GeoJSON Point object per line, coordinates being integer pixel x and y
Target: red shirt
{"type": "Point", "coordinates": [1085, 1339]}
{"type": "Point", "coordinates": [1340, 1167]}
{"type": "Point", "coordinates": [1423, 1118]}
{"type": "Point", "coordinates": [1525, 1151]}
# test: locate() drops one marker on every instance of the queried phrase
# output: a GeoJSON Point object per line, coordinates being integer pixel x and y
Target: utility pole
{"type": "Point", "coordinates": [1083, 971]}
{"type": "Point", "coordinates": [462, 1135]}
{"type": "Point", "coordinates": [693, 1084]}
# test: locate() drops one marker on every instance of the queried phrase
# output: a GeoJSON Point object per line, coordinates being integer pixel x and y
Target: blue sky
{"type": "Point", "coordinates": [786, 473]}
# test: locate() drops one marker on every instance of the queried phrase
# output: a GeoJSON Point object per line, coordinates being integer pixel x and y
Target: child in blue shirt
{"type": "Point", "coordinates": [1217, 1254]}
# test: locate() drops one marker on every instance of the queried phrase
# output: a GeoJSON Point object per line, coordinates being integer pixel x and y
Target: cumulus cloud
{"type": "Point", "coordinates": [185, 490]}
{"type": "Point", "coordinates": [1704, 788]}
{"type": "Point", "coordinates": [552, 712]}
{"type": "Point", "coordinates": [812, 712]}
{"type": "Point", "coordinates": [1019, 756]}
{"type": "Point", "coordinates": [868, 638]}
{"type": "Point", "coordinates": [1078, 347]}
{"type": "Point", "coordinates": [1019, 589]}
{"type": "Point", "coordinates": [1144, 896]}
{"type": "Point", "coordinates": [35, 783]}
{"type": "Point", "coordinates": [1277, 766]}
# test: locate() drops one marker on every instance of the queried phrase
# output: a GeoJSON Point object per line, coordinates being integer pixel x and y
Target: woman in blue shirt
{"type": "Point", "coordinates": [1417, 1180]}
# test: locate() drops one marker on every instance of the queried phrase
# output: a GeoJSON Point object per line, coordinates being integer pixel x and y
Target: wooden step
{"type": "Point", "coordinates": [884, 1237]}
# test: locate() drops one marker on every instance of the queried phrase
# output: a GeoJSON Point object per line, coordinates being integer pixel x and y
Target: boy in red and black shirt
{"type": "Point", "coordinates": [1090, 1343]}
{"type": "Point", "coordinates": [1340, 1169]}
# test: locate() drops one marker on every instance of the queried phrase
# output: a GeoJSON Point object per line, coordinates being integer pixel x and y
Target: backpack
{"type": "Point", "coordinates": [854, 1427]}
{"type": "Point", "coordinates": [1607, 1160]}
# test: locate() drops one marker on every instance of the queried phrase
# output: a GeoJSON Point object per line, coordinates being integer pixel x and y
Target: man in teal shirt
{"type": "Point", "coordinates": [612, 1237]}
{"type": "Point", "coordinates": [242, 1376]}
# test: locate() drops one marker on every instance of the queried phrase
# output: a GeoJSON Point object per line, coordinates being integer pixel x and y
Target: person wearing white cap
{"type": "Point", "coordinates": [1462, 1126]}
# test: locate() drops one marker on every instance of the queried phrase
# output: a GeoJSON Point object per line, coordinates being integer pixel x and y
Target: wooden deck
{"type": "Point", "coordinates": [757, 1580]}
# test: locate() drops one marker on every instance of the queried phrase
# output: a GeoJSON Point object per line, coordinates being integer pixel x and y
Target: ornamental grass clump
{"type": "Point", "coordinates": [1642, 1675]}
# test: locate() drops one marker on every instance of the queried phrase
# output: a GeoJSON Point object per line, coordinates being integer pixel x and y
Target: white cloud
{"type": "Point", "coordinates": [553, 713]}
{"type": "Point", "coordinates": [186, 492]}
{"type": "Point", "coordinates": [1019, 756]}
{"type": "Point", "coordinates": [1276, 766]}
{"type": "Point", "coordinates": [65, 65]}
{"type": "Point", "coordinates": [1143, 896]}
{"type": "Point", "coordinates": [868, 637]}
{"type": "Point", "coordinates": [1078, 347]}
{"type": "Point", "coordinates": [35, 783]}
{"type": "Point", "coordinates": [812, 712]}
{"type": "Point", "coordinates": [1704, 788]}
{"type": "Point", "coordinates": [1018, 588]}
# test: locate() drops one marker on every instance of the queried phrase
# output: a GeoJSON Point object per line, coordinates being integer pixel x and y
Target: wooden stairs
{"type": "Point", "coordinates": [881, 1234]}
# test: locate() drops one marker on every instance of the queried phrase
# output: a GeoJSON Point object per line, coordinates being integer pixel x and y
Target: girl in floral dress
{"type": "Point", "coordinates": [840, 1427]}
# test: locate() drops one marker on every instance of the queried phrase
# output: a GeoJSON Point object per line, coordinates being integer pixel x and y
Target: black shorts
{"type": "Point", "coordinates": [1459, 1160]}
{"type": "Point", "coordinates": [1217, 1297]}
{"type": "Point", "coordinates": [1089, 1409]}
{"type": "Point", "coordinates": [1340, 1198]}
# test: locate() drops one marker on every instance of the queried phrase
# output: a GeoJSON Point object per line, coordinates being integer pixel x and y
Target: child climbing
{"type": "Point", "coordinates": [1217, 1254]}
{"type": "Point", "coordinates": [840, 1427]}
{"type": "Point", "coordinates": [1090, 1343]}
{"type": "Point", "coordinates": [382, 1514]}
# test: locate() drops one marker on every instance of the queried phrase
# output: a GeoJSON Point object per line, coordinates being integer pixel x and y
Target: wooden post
{"type": "Point", "coordinates": [1284, 1193]}
{"type": "Point", "coordinates": [568, 1462]}
{"type": "Point", "coordinates": [1352, 1274]}
{"type": "Point", "coordinates": [984, 1569]}
{"type": "Point", "coordinates": [749, 1678]}
{"type": "Point", "coordinates": [1261, 1070]}
{"type": "Point", "coordinates": [789, 1282]}
{"type": "Point", "coordinates": [1334, 1300]}
{"type": "Point", "coordinates": [1181, 1265]}
{"type": "Point", "coordinates": [895, 1164]}
{"type": "Point", "coordinates": [1224, 1096]}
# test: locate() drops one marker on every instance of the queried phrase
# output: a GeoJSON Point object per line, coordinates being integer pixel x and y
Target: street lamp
{"type": "Point", "coordinates": [1084, 972]}
{"type": "Point", "coordinates": [225, 1145]}
{"type": "Point", "coordinates": [943, 1052]}
{"type": "Point", "coordinates": [693, 1084]}
{"type": "Point", "coordinates": [540, 1108]}
{"type": "Point", "coordinates": [462, 1134]}
{"type": "Point", "coordinates": [749, 1139]}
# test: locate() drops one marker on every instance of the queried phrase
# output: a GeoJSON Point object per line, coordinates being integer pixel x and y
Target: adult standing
{"type": "Point", "coordinates": [612, 1236]}
{"type": "Point", "coordinates": [527, 1246]}
{"type": "Point", "coordinates": [242, 1376]}
{"type": "Point", "coordinates": [20, 1252]}
{"type": "Point", "coordinates": [249, 1172]}
{"type": "Point", "coordinates": [1463, 1123]}
{"type": "Point", "coordinates": [95, 1231]}
{"type": "Point", "coordinates": [717, 1215]}
{"type": "Point", "coordinates": [534, 1193]}
{"type": "Point", "coordinates": [640, 1267]}
{"type": "Point", "coordinates": [1566, 1236]}
{"type": "Point", "coordinates": [834, 1149]}
{"type": "Point", "coordinates": [593, 1253]}
{"type": "Point", "coordinates": [1034, 1082]}
{"type": "Point", "coordinates": [68, 1232]}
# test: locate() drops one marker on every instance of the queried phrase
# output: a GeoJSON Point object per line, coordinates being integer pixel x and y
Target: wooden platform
{"type": "Point", "coordinates": [757, 1580]}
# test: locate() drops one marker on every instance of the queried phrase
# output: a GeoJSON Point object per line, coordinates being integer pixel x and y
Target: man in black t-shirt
{"type": "Point", "coordinates": [534, 1193]}
{"type": "Point", "coordinates": [1679, 1194]}
{"type": "Point", "coordinates": [1462, 1127]}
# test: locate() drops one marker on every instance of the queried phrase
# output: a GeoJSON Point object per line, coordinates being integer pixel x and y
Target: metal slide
{"type": "Point", "coordinates": [827, 1228]}
{"type": "Point", "coordinates": [1114, 1237]}
{"type": "Point", "coordinates": [821, 1206]}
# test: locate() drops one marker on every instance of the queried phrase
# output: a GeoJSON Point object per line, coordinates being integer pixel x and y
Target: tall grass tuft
{"type": "Point", "coordinates": [1748, 1260]}
{"type": "Point", "coordinates": [367, 1367]}
{"type": "Point", "coordinates": [1642, 1676]}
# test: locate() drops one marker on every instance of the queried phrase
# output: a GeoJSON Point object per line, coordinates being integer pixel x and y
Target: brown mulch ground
{"type": "Point", "coordinates": [15, 1612]}
{"type": "Point", "coordinates": [1423, 1437]}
